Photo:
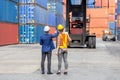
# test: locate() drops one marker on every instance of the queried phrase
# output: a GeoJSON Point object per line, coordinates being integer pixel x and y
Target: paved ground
{"type": "Point", "coordinates": [22, 62]}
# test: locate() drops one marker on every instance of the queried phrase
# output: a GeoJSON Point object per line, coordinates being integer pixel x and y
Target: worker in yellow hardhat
{"type": "Point", "coordinates": [60, 27]}
{"type": "Point", "coordinates": [62, 43]}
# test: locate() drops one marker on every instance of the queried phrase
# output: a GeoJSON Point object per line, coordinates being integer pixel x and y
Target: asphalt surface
{"type": "Point", "coordinates": [22, 62]}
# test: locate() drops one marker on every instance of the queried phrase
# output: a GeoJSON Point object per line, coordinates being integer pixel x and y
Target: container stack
{"type": "Point", "coordinates": [111, 16]}
{"type": "Point", "coordinates": [59, 13]}
{"type": "Point", "coordinates": [32, 18]}
{"type": "Point", "coordinates": [102, 16]}
{"type": "Point", "coordinates": [118, 19]}
{"type": "Point", "coordinates": [8, 22]}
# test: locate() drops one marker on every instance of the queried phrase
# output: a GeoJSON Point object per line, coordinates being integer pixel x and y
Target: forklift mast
{"type": "Point", "coordinates": [76, 24]}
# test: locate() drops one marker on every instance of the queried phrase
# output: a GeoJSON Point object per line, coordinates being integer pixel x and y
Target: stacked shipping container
{"type": "Point", "coordinates": [32, 18]}
{"type": "Point", "coordinates": [34, 15]}
{"type": "Point", "coordinates": [118, 20]}
{"type": "Point", "coordinates": [8, 22]}
{"type": "Point", "coordinates": [102, 16]}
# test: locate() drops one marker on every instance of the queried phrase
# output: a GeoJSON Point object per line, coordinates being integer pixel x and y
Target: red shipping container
{"type": "Point", "coordinates": [116, 6]}
{"type": "Point", "coordinates": [111, 10]}
{"type": "Point", "coordinates": [8, 33]}
{"type": "Point", "coordinates": [99, 22]}
{"type": "Point", "coordinates": [64, 9]}
{"type": "Point", "coordinates": [104, 3]}
{"type": "Point", "coordinates": [118, 23]}
{"type": "Point", "coordinates": [111, 18]}
{"type": "Point", "coordinates": [98, 31]}
{"type": "Point", "coordinates": [98, 3]}
{"type": "Point", "coordinates": [111, 3]}
{"type": "Point", "coordinates": [52, 31]}
{"type": "Point", "coordinates": [98, 12]}
{"type": "Point", "coordinates": [118, 16]}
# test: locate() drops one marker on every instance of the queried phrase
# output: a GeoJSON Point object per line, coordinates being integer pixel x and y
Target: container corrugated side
{"type": "Point", "coordinates": [118, 23]}
{"type": "Point", "coordinates": [32, 14]}
{"type": "Point", "coordinates": [40, 15]}
{"type": "Point", "coordinates": [3, 6]}
{"type": "Point", "coordinates": [111, 18]}
{"type": "Point", "coordinates": [8, 11]}
{"type": "Point", "coordinates": [105, 3]}
{"type": "Point", "coordinates": [111, 10]}
{"type": "Point", "coordinates": [12, 12]}
{"type": "Point", "coordinates": [42, 3]}
{"type": "Point", "coordinates": [26, 13]}
{"type": "Point", "coordinates": [39, 32]}
{"type": "Point", "coordinates": [118, 33]}
{"type": "Point", "coordinates": [98, 31]}
{"type": "Point", "coordinates": [111, 3]}
{"type": "Point", "coordinates": [27, 33]}
{"type": "Point", "coordinates": [90, 4]}
{"type": "Point", "coordinates": [26, 1]}
{"type": "Point", "coordinates": [60, 20]}
{"type": "Point", "coordinates": [98, 3]}
{"type": "Point", "coordinates": [118, 20]}
{"type": "Point", "coordinates": [118, 8]}
{"type": "Point", "coordinates": [51, 19]}
{"type": "Point", "coordinates": [99, 22]}
{"type": "Point", "coordinates": [8, 33]}
{"type": "Point", "coordinates": [59, 8]}
{"type": "Point", "coordinates": [64, 9]}
{"type": "Point", "coordinates": [76, 2]}
{"type": "Point", "coordinates": [96, 12]}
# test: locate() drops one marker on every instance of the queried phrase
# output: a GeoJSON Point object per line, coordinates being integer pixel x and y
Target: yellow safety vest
{"type": "Point", "coordinates": [63, 40]}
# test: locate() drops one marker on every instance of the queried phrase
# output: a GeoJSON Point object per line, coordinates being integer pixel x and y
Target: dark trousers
{"type": "Point", "coordinates": [48, 54]}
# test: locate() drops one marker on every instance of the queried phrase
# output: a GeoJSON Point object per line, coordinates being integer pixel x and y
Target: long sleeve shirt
{"type": "Point", "coordinates": [47, 42]}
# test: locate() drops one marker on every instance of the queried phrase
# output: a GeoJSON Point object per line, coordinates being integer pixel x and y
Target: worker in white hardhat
{"type": "Point", "coordinates": [47, 47]}
{"type": "Point", "coordinates": [46, 28]}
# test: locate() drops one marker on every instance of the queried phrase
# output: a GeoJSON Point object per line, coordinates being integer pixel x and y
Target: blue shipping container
{"type": "Point", "coordinates": [32, 14]}
{"type": "Point", "coordinates": [39, 32]}
{"type": "Point", "coordinates": [42, 3]}
{"type": "Point", "coordinates": [112, 25]}
{"type": "Point", "coordinates": [76, 2]}
{"type": "Point", "coordinates": [12, 12]}
{"type": "Point", "coordinates": [60, 20]}
{"type": "Point", "coordinates": [8, 11]}
{"type": "Point", "coordinates": [51, 6]}
{"type": "Point", "coordinates": [118, 8]}
{"type": "Point", "coordinates": [40, 15]}
{"type": "Point", "coordinates": [26, 14]}
{"type": "Point", "coordinates": [3, 7]}
{"type": "Point", "coordinates": [59, 8]}
{"type": "Point", "coordinates": [51, 19]}
{"type": "Point", "coordinates": [118, 37]}
{"type": "Point", "coordinates": [26, 1]}
{"type": "Point", "coordinates": [118, 30]}
{"type": "Point", "coordinates": [90, 3]}
{"type": "Point", "coordinates": [27, 34]}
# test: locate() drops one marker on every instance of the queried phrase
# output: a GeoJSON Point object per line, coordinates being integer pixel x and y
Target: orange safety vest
{"type": "Point", "coordinates": [63, 40]}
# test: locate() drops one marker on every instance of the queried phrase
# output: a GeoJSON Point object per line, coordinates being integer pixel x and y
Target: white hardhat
{"type": "Point", "coordinates": [46, 28]}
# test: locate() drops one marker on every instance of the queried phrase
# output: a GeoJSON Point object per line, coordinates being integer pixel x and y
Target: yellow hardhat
{"type": "Point", "coordinates": [60, 27]}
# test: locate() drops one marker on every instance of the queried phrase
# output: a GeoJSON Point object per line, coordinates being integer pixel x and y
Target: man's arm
{"type": "Point", "coordinates": [55, 35]}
